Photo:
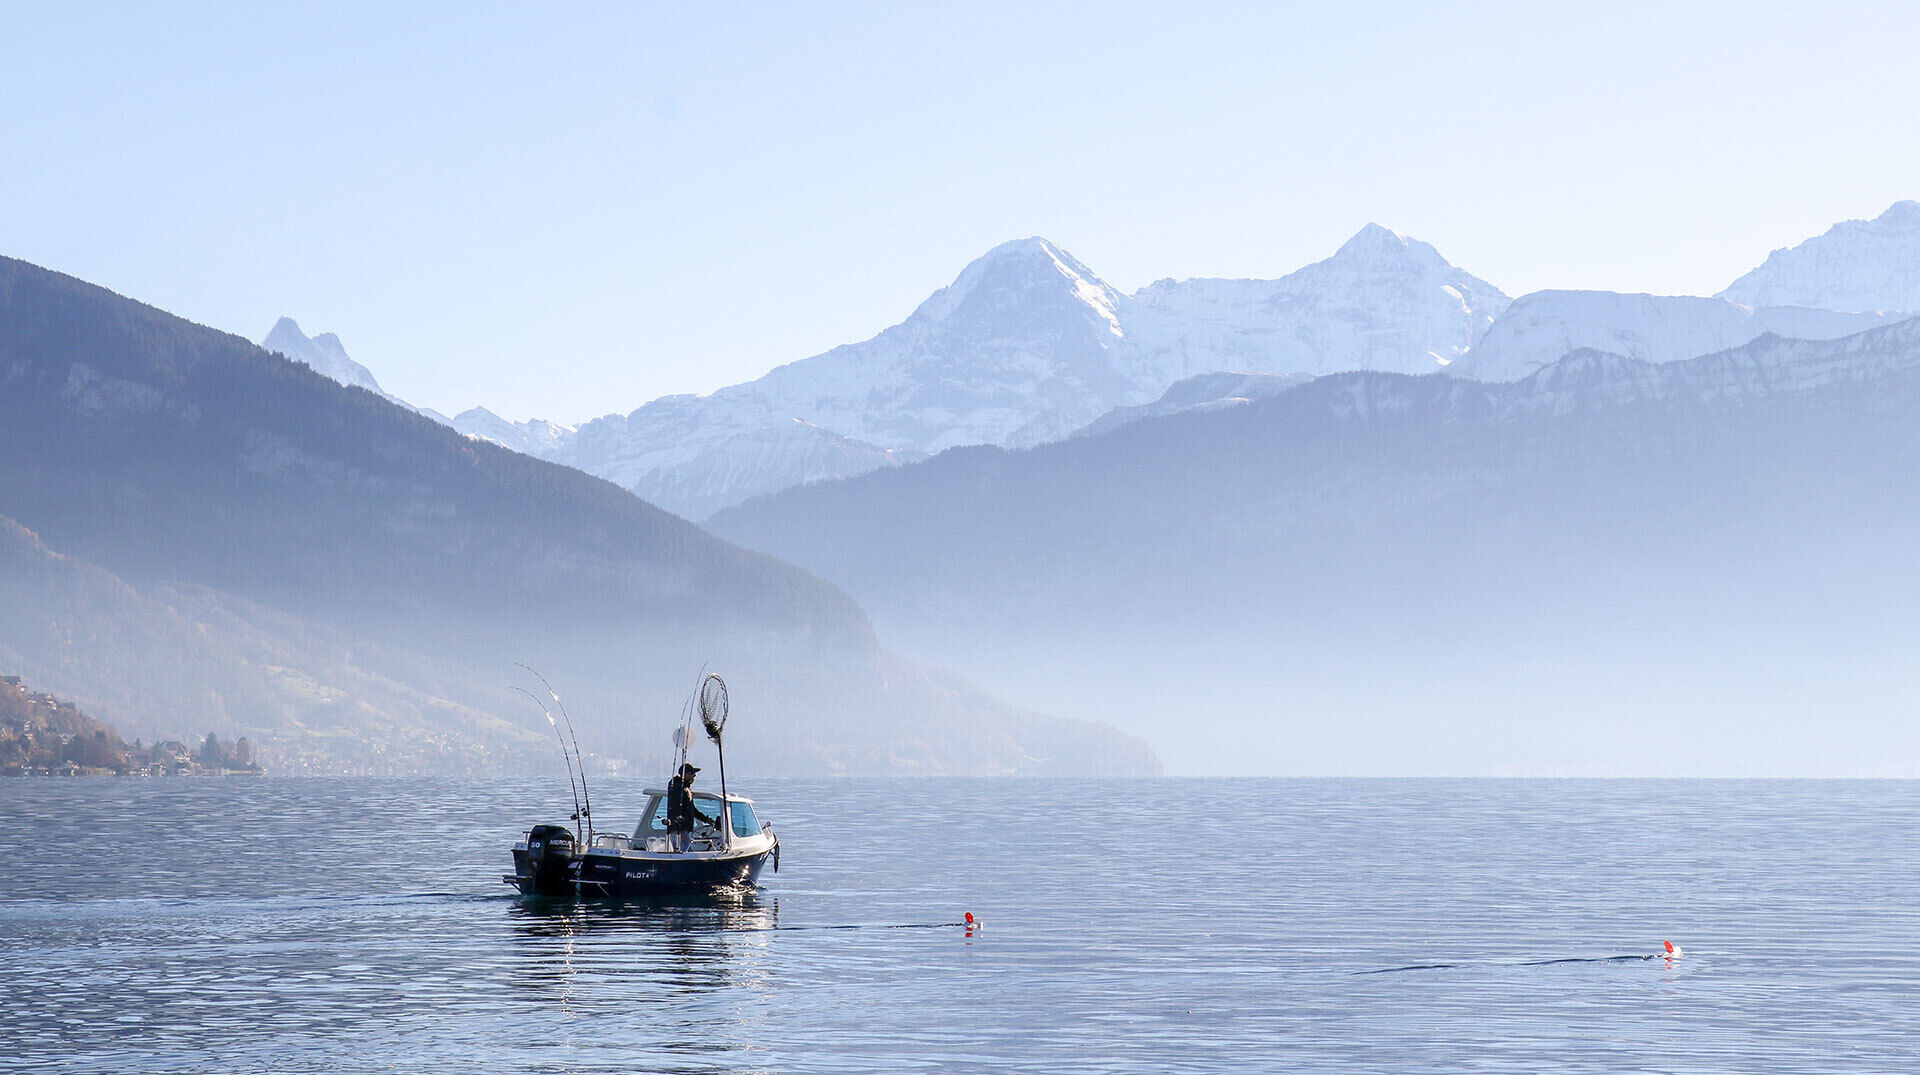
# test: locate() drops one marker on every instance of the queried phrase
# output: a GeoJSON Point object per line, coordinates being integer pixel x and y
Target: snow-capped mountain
{"type": "Point", "coordinates": [1856, 265]}
{"type": "Point", "coordinates": [1026, 337]}
{"type": "Point", "coordinates": [1540, 328]}
{"type": "Point", "coordinates": [322, 352]}
{"type": "Point", "coordinates": [1382, 302]}
{"type": "Point", "coordinates": [1028, 346]}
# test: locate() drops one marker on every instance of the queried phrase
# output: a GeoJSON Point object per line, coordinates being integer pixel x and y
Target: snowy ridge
{"type": "Point", "coordinates": [1029, 346]}
{"type": "Point", "coordinates": [537, 436]}
{"type": "Point", "coordinates": [1588, 379]}
{"type": "Point", "coordinates": [1541, 327]}
{"type": "Point", "coordinates": [1382, 302]}
{"type": "Point", "coordinates": [1856, 265]}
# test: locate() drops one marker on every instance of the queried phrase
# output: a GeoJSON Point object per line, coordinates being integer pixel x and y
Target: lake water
{"type": "Point", "coordinates": [1174, 925]}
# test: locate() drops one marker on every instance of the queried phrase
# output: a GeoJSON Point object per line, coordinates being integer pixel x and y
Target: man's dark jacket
{"type": "Point", "coordinates": [680, 809]}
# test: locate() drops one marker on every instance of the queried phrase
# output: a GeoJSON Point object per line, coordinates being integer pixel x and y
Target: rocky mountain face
{"type": "Point", "coordinates": [310, 535]}
{"type": "Point", "coordinates": [1856, 265]}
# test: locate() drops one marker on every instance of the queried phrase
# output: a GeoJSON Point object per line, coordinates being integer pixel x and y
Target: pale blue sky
{"type": "Point", "coordinates": [566, 211]}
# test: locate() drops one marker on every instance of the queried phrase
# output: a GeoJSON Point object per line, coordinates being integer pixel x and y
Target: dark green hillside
{"type": "Point", "coordinates": [353, 582]}
{"type": "Point", "coordinates": [160, 448]}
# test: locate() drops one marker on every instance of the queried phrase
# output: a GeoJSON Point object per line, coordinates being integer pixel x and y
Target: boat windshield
{"type": "Point", "coordinates": [654, 823]}
{"type": "Point", "coordinates": [744, 823]}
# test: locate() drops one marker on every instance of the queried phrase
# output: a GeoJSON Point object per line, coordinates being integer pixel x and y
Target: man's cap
{"type": "Point", "coordinates": [689, 767]}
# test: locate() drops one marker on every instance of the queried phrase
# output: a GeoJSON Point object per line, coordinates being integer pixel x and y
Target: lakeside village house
{"type": "Point", "coordinates": [41, 735]}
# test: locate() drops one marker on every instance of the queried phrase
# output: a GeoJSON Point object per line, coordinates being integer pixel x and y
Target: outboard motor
{"type": "Point", "coordinates": [550, 856]}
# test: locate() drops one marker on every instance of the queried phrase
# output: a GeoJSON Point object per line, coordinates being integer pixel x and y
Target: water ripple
{"type": "Point", "coordinates": [313, 925]}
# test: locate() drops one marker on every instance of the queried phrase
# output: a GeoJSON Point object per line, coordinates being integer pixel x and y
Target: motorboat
{"type": "Point", "coordinates": [724, 852]}
{"type": "Point", "coordinates": [651, 862]}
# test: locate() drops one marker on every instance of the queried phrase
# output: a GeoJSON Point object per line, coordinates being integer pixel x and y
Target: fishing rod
{"type": "Point", "coordinates": [578, 758]}
{"type": "Point", "coordinates": [563, 752]}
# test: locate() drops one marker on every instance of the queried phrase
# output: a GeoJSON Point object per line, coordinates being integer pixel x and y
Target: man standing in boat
{"type": "Point", "coordinates": [681, 812]}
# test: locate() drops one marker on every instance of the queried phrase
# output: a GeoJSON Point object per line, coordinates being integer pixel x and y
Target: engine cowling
{"type": "Point", "coordinates": [551, 851]}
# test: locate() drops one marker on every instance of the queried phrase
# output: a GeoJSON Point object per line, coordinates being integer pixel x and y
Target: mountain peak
{"type": "Point", "coordinates": [1033, 252]}
{"type": "Point", "coordinates": [323, 352]}
{"type": "Point", "coordinates": [1854, 265]}
{"type": "Point", "coordinates": [1902, 216]}
{"type": "Point", "coordinates": [1375, 243]}
{"type": "Point", "coordinates": [1019, 272]}
{"type": "Point", "coordinates": [285, 337]}
{"type": "Point", "coordinates": [1376, 235]}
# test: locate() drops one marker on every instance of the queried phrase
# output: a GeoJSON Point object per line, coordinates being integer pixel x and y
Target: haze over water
{"type": "Point", "coordinates": [1176, 925]}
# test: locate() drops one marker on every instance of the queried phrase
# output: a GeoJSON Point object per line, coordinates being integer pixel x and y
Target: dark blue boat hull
{"type": "Point", "coordinates": [606, 873]}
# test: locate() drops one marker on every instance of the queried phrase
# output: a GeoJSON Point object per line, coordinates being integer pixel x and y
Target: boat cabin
{"type": "Point", "coordinates": [651, 833]}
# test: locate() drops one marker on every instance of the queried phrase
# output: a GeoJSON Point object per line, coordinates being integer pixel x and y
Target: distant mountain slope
{"type": "Point", "coordinates": [1855, 265]}
{"type": "Point", "coordinates": [1540, 328]}
{"type": "Point", "coordinates": [168, 658]}
{"type": "Point", "coordinates": [1573, 572]}
{"type": "Point", "coordinates": [764, 460]}
{"type": "Point", "coordinates": [1208, 391]}
{"type": "Point", "coordinates": [172, 455]}
{"type": "Point", "coordinates": [1158, 498]}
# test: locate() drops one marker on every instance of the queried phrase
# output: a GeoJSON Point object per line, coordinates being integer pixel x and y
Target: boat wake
{"type": "Point", "coordinates": [1672, 953]}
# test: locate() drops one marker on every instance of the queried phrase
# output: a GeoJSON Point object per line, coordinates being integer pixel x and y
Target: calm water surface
{"type": "Point", "coordinates": [1178, 925]}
